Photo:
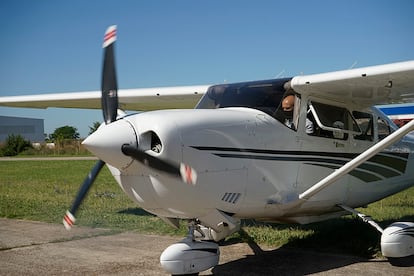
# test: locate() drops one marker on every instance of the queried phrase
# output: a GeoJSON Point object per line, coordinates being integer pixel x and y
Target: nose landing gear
{"type": "Point", "coordinates": [190, 256]}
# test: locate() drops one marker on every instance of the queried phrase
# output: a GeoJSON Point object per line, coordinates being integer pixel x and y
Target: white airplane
{"type": "Point", "coordinates": [234, 157]}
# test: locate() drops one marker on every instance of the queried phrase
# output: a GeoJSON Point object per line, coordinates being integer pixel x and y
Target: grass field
{"type": "Point", "coordinates": [44, 190]}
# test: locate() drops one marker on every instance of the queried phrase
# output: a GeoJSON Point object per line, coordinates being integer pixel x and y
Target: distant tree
{"type": "Point", "coordinates": [94, 127]}
{"type": "Point", "coordinates": [64, 133]}
{"type": "Point", "coordinates": [14, 145]}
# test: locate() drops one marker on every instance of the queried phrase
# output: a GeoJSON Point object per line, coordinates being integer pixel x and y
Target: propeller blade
{"type": "Point", "coordinates": [109, 102]}
{"type": "Point", "coordinates": [109, 87]}
{"type": "Point", "coordinates": [69, 218]}
{"type": "Point", "coordinates": [185, 172]}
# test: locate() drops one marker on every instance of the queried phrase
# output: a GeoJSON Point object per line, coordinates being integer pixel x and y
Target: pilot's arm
{"type": "Point", "coordinates": [309, 126]}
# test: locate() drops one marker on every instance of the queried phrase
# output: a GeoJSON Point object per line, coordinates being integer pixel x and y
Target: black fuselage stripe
{"type": "Point", "coordinates": [305, 153]}
{"type": "Point", "coordinates": [385, 164]}
{"type": "Point", "coordinates": [363, 175]}
{"type": "Point", "coordinates": [280, 158]}
{"type": "Point", "coordinates": [381, 170]}
{"type": "Point", "coordinates": [386, 160]}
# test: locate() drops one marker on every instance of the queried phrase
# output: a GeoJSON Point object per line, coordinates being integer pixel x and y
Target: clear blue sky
{"type": "Point", "coordinates": [50, 46]}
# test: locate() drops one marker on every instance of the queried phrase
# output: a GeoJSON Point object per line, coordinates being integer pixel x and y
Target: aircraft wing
{"type": "Point", "coordinates": [382, 84]}
{"type": "Point", "coordinates": [129, 99]}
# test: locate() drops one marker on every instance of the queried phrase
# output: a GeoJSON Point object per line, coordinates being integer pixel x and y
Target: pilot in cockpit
{"type": "Point", "coordinates": [288, 104]}
{"type": "Point", "coordinates": [288, 108]}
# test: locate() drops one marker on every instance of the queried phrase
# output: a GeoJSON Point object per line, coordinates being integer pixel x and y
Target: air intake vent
{"type": "Point", "coordinates": [231, 197]}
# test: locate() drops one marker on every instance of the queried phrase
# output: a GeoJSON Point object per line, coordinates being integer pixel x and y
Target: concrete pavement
{"type": "Point", "coordinates": [37, 248]}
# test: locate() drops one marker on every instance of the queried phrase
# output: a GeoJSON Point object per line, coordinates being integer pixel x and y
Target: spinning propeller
{"type": "Point", "coordinates": [109, 101]}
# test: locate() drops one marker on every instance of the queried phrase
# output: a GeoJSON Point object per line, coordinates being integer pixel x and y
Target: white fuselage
{"type": "Point", "coordinates": [250, 165]}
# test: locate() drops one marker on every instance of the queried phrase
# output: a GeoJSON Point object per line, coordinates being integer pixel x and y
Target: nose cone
{"type": "Point", "coordinates": [106, 142]}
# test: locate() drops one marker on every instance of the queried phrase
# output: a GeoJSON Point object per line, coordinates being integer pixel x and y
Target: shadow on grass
{"type": "Point", "coordinates": [345, 235]}
{"type": "Point", "coordinates": [135, 211]}
{"type": "Point", "coordinates": [144, 222]}
{"type": "Point", "coordinates": [334, 243]}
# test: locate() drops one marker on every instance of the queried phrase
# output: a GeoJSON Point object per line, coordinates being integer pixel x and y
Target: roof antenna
{"type": "Point", "coordinates": [353, 64]}
{"type": "Point", "coordinates": [280, 74]}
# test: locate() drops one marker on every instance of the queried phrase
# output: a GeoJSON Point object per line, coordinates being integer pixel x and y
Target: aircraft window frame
{"type": "Point", "coordinates": [365, 122]}
{"type": "Point", "coordinates": [336, 128]}
{"type": "Point", "coordinates": [383, 128]}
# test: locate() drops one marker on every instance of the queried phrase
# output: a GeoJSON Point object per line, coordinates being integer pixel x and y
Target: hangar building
{"type": "Point", "coordinates": [30, 129]}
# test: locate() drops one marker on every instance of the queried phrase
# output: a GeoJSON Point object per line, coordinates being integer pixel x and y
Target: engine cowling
{"type": "Point", "coordinates": [189, 256]}
{"type": "Point", "coordinates": [397, 240]}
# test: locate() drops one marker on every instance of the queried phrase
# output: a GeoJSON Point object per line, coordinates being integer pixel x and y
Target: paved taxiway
{"type": "Point", "coordinates": [37, 248]}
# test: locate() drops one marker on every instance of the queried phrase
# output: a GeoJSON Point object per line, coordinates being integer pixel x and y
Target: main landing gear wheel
{"type": "Point", "coordinates": [397, 240]}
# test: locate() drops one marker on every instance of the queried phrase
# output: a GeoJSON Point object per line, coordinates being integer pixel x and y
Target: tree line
{"type": "Point", "coordinates": [65, 138]}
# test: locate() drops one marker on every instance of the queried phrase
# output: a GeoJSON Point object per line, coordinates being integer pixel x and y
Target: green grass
{"type": "Point", "coordinates": [44, 190]}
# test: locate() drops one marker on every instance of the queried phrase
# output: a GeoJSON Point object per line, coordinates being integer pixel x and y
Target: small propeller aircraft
{"type": "Point", "coordinates": [295, 150]}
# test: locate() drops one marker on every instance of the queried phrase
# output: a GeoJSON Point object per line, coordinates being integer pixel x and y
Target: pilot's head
{"type": "Point", "coordinates": [288, 103]}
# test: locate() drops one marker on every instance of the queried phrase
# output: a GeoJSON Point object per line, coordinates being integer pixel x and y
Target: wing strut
{"type": "Point", "coordinates": [337, 174]}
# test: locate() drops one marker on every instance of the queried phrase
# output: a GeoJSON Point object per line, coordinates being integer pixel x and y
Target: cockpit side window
{"type": "Point", "coordinates": [333, 121]}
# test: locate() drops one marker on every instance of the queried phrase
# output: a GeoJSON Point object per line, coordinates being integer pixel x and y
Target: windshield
{"type": "Point", "coordinates": [263, 95]}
